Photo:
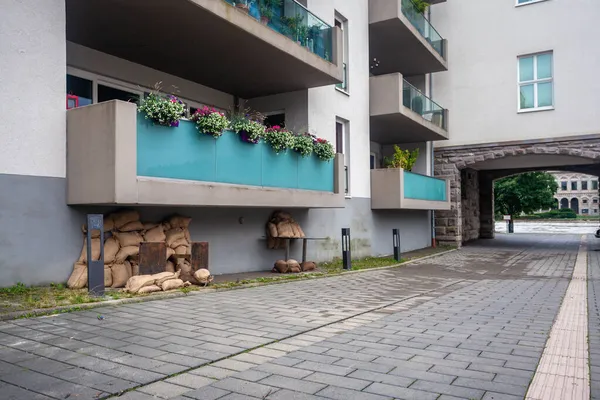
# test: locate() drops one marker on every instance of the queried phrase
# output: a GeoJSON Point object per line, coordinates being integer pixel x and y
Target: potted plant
{"type": "Point", "coordinates": [243, 5]}
{"type": "Point", "coordinates": [292, 24]}
{"type": "Point", "coordinates": [267, 9]}
{"type": "Point", "coordinates": [421, 6]}
{"type": "Point", "coordinates": [280, 139]}
{"type": "Point", "coordinates": [303, 144]}
{"type": "Point", "coordinates": [323, 149]}
{"type": "Point", "coordinates": [404, 159]}
{"type": "Point", "coordinates": [210, 121]}
{"type": "Point", "coordinates": [161, 109]}
{"type": "Point", "coordinates": [248, 125]}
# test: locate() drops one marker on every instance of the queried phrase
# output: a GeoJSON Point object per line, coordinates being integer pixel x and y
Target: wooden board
{"type": "Point", "coordinates": [199, 255]}
{"type": "Point", "coordinates": [153, 257]}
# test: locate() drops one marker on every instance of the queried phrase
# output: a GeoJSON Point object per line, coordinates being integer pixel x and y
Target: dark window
{"type": "Point", "coordinates": [339, 137]}
{"type": "Point", "coordinates": [563, 185]}
{"type": "Point", "coordinates": [595, 185]}
{"type": "Point", "coordinates": [585, 201]}
{"type": "Point", "coordinates": [79, 91]}
{"type": "Point", "coordinates": [106, 93]}
{"type": "Point", "coordinates": [275, 120]}
{"type": "Point", "coordinates": [372, 161]}
{"type": "Point", "coordinates": [595, 201]}
{"type": "Point", "coordinates": [584, 185]}
{"type": "Point", "coordinates": [585, 211]}
{"type": "Point", "coordinates": [574, 185]}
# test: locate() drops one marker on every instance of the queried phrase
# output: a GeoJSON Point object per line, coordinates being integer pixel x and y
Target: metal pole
{"type": "Point", "coordinates": [396, 241]}
{"type": "Point", "coordinates": [346, 254]}
{"type": "Point", "coordinates": [95, 222]}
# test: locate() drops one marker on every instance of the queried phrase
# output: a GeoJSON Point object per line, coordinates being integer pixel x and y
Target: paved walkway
{"type": "Point", "coordinates": [471, 324]}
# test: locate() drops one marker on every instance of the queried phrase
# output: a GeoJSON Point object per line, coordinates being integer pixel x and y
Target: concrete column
{"type": "Point", "coordinates": [448, 223]}
{"type": "Point", "coordinates": [486, 206]}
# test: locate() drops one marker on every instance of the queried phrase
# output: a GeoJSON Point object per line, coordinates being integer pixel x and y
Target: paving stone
{"type": "Point", "coordinates": [400, 392]}
{"type": "Point", "coordinates": [336, 380]}
{"type": "Point", "coordinates": [133, 374]}
{"type": "Point", "coordinates": [338, 393]}
{"type": "Point", "coordinates": [244, 387]}
{"type": "Point", "coordinates": [233, 365]}
{"type": "Point", "coordinates": [190, 380]}
{"type": "Point", "coordinates": [491, 386]}
{"type": "Point", "coordinates": [289, 372]}
{"type": "Point", "coordinates": [500, 396]}
{"type": "Point", "coordinates": [251, 375]}
{"type": "Point", "coordinates": [319, 367]}
{"type": "Point", "coordinates": [296, 385]}
{"type": "Point", "coordinates": [206, 393]}
{"type": "Point", "coordinates": [164, 390]}
{"type": "Point", "coordinates": [284, 394]}
{"type": "Point", "coordinates": [213, 372]}
{"type": "Point", "coordinates": [466, 373]}
{"type": "Point", "coordinates": [452, 390]}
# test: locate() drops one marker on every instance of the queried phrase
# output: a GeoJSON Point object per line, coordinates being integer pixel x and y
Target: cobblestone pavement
{"type": "Point", "coordinates": [469, 324]}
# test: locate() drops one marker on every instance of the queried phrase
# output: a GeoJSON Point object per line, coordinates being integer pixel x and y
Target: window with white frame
{"type": "Point", "coordinates": [342, 23]}
{"type": "Point", "coordinates": [342, 145]}
{"type": "Point", "coordinates": [536, 85]}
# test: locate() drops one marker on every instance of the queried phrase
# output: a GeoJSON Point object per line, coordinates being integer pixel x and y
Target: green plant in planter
{"type": "Point", "coordinates": [404, 159]}
{"type": "Point", "coordinates": [266, 9]}
{"type": "Point", "coordinates": [303, 144]}
{"type": "Point", "coordinates": [162, 109]}
{"type": "Point", "coordinates": [292, 25]}
{"type": "Point", "coordinates": [248, 124]}
{"type": "Point", "coordinates": [421, 6]}
{"type": "Point", "coordinates": [280, 139]}
{"type": "Point", "coordinates": [210, 121]}
{"type": "Point", "coordinates": [324, 150]}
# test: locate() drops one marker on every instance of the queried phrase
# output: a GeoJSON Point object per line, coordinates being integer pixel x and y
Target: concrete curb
{"type": "Point", "coordinates": [41, 312]}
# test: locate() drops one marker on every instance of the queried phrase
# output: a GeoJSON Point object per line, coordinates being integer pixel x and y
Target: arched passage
{"type": "Point", "coordinates": [575, 205]}
{"type": "Point", "coordinates": [564, 203]}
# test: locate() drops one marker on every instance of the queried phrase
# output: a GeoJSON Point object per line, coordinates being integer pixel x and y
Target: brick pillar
{"type": "Point", "coordinates": [448, 227]}
{"type": "Point", "coordinates": [486, 206]}
{"type": "Point", "coordinates": [470, 204]}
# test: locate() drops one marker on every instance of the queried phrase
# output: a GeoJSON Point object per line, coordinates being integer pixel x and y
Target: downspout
{"type": "Point", "coordinates": [433, 241]}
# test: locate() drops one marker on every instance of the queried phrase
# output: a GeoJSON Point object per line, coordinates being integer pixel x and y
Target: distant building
{"type": "Point", "coordinates": [578, 192]}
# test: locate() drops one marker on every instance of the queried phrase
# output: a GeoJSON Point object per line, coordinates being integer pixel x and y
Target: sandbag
{"type": "Point", "coordinates": [308, 266]}
{"type": "Point", "coordinates": [172, 235]}
{"type": "Point", "coordinates": [132, 226]}
{"type": "Point", "coordinates": [129, 238]}
{"type": "Point", "coordinates": [295, 270]}
{"type": "Point", "coordinates": [149, 289]}
{"type": "Point", "coordinates": [135, 283]}
{"type": "Point", "coordinates": [135, 268]}
{"type": "Point", "coordinates": [125, 252]}
{"type": "Point", "coordinates": [150, 225]}
{"type": "Point", "coordinates": [272, 229]}
{"type": "Point", "coordinates": [281, 266]}
{"type": "Point", "coordinates": [109, 223]}
{"type": "Point", "coordinates": [177, 221]}
{"type": "Point", "coordinates": [284, 230]}
{"type": "Point", "coordinates": [170, 267]}
{"type": "Point", "coordinates": [300, 231]}
{"type": "Point", "coordinates": [170, 252]}
{"type": "Point", "coordinates": [95, 250]}
{"type": "Point", "coordinates": [129, 268]}
{"type": "Point", "coordinates": [181, 242]}
{"type": "Point", "coordinates": [295, 231]}
{"type": "Point", "coordinates": [107, 276]}
{"type": "Point", "coordinates": [156, 234]}
{"type": "Point", "coordinates": [162, 277]}
{"type": "Point", "coordinates": [203, 276]}
{"type": "Point", "coordinates": [120, 275]}
{"type": "Point", "coordinates": [111, 248]}
{"type": "Point", "coordinates": [172, 284]}
{"type": "Point", "coordinates": [95, 232]}
{"type": "Point", "coordinates": [186, 234]}
{"type": "Point", "coordinates": [186, 273]}
{"type": "Point", "coordinates": [124, 217]}
{"type": "Point", "coordinates": [293, 266]}
{"type": "Point", "coordinates": [79, 276]}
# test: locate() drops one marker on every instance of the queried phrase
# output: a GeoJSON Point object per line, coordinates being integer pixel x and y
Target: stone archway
{"type": "Point", "coordinates": [575, 205]}
{"type": "Point", "coordinates": [564, 203]}
{"type": "Point", "coordinates": [471, 187]}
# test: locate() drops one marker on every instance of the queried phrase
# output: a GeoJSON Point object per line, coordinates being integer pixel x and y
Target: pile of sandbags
{"type": "Point", "coordinates": [162, 281]}
{"type": "Point", "coordinates": [292, 266]}
{"type": "Point", "coordinates": [281, 225]}
{"type": "Point", "coordinates": [124, 232]}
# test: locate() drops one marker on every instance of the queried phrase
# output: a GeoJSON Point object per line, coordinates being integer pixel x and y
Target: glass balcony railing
{"type": "Point", "coordinates": [414, 99]}
{"type": "Point", "coordinates": [418, 20]}
{"type": "Point", "coordinates": [344, 84]}
{"type": "Point", "coordinates": [293, 20]}
{"type": "Point", "coordinates": [423, 187]}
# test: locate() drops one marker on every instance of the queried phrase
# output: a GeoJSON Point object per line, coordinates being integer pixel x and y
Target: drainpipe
{"type": "Point", "coordinates": [433, 241]}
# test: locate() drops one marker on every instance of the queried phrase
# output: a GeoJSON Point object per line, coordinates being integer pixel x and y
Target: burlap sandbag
{"type": "Point", "coordinates": [186, 234]}
{"type": "Point", "coordinates": [284, 230]}
{"type": "Point", "coordinates": [181, 242]}
{"type": "Point", "coordinates": [125, 252]}
{"type": "Point", "coordinates": [170, 267]}
{"type": "Point", "coordinates": [132, 226]}
{"type": "Point", "coordinates": [120, 275]}
{"type": "Point", "coordinates": [282, 216]}
{"type": "Point", "coordinates": [79, 276]}
{"type": "Point", "coordinates": [177, 221]}
{"type": "Point", "coordinates": [300, 231]}
{"type": "Point", "coordinates": [129, 238]}
{"type": "Point", "coordinates": [135, 268]}
{"type": "Point", "coordinates": [172, 284]}
{"type": "Point", "coordinates": [95, 232]}
{"type": "Point", "coordinates": [135, 283]}
{"type": "Point", "coordinates": [95, 250]}
{"type": "Point", "coordinates": [170, 252]}
{"type": "Point", "coordinates": [203, 276]}
{"type": "Point", "coordinates": [186, 273]}
{"type": "Point", "coordinates": [295, 232]}
{"type": "Point", "coordinates": [295, 270]}
{"type": "Point", "coordinates": [149, 289]}
{"type": "Point", "coordinates": [281, 266]}
{"type": "Point", "coordinates": [109, 223]}
{"type": "Point", "coordinates": [107, 276]}
{"type": "Point", "coordinates": [293, 266]}
{"type": "Point", "coordinates": [124, 217]}
{"type": "Point", "coordinates": [162, 277]}
{"type": "Point", "coordinates": [308, 266]}
{"type": "Point", "coordinates": [155, 234]}
{"type": "Point", "coordinates": [174, 235]}
{"type": "Point", "coordinates": [111, 248]}
{"type": "Point", "coordinates": [150, 225]}
{"type": "Point", "coordinates": [272, 229]}
{"type": "Point", "coordinates": [129, 268]}
{"type": "Point", "coordinates": [181, 250]}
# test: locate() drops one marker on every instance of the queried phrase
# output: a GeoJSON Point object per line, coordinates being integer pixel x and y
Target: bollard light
{"type": "Point", "coordinates": [95, 222]}
{"type": "Point", "coordinates": [346, 255]}
{"type": "Point", "coordinates": [396, 242]}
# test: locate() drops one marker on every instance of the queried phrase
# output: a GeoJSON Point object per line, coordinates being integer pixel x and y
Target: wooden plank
{"type": "Point", "coordinates": [153, 257]}
{"type": "Point", "coordinates": [199, 255]}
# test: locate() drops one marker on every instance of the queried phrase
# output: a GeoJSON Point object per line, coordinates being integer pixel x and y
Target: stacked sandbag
{"type": "Point", "coordinates": [203, 276]}
{"type": "Point", "coordinates": [292, 266]}
{"type": "Point", "coordinates": [282, 225]}
{"type": "Point", "coordinates": [124, 232]}
{"type": "Point", "coordinates": [154, 283]}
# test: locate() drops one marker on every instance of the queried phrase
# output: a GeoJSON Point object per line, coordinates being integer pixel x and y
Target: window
{"type": "Point", "coordinates": [342, 23]}
{"type": "Point", "coordinates": [342, 145]}
{"type": "Point", "coordinates": [563, 185]}
{"type": "Point", "coordinates": [595, 201]}
{"type": "Point", "coordinates": [595, 211]}
{"type": "Point", "coordinates": [584, 201]}
{"type": "Point", "coordinates": [574, 185]}
{"type": "Point", "coordinates": [535, 82]}
{"type": "Point", "coordinates": [585, 211]}
{"type": "Point", "coordinates": [595, 185]}
{"type": "Point", "coordinates": [106, 93]}
{"type": "Point", "coordinates": [277, 119]}
{"type": "Point", "coordinates": [79, 91]}
{"type": "Point", "coordinates": [584, 185]}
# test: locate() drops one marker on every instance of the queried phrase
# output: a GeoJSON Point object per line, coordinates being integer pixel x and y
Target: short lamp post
{"type": "Point", "coordinates": [95, 222]}
{"type": "Point", "coordinates": [346, 255]}
{"type": "Point", "coordinates": [396, 242]}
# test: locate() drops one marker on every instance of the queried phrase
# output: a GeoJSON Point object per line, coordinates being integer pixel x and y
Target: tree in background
{"type": "Point", "coordinates": [524, 193]}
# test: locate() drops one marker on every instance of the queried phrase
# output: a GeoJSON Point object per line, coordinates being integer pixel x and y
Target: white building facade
{"type": "Point", "coordinates": [57, 165]}
{"type": "Point", "coordinates": [578, 192]}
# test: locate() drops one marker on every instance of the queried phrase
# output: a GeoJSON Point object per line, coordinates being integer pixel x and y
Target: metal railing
{"type": "Point", "coordinates": [418, 20]}
{"type": "Point", "coordinates": [414, 99]}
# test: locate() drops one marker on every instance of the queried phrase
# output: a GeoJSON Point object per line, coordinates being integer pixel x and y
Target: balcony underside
{"type": "Point", "coordinates": [399, 47]}
{"type": "Point", "coordinates": [205, 41]}
{"type": "Point", "coordinates": [404, 127]}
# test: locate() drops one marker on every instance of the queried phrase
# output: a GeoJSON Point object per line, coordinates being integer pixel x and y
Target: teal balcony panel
{"type": "Point", "coordinates": [423, 187]}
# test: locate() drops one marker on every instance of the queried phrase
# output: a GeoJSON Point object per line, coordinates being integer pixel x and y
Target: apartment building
{"type": "Point", "coordinates": [358, 73]}
{"type": "Point", "coordinates": [520, 99]}
{"type": "Point", "coordinates": [578, 192]}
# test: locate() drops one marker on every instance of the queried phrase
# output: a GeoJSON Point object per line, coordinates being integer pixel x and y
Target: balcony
{"type": "Point", "coordinates": [400, 113]}
{"type": "Point", "coordinates": [403, 40]}
{"type": "Point", "coordinates": [214, 43]}
{"type": "Point", "coordinates": [395, 188]}
{"type": "Point", "coordinates": [117, 157]}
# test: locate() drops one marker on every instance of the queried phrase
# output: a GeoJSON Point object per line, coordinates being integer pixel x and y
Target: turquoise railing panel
{"type": "Point", "coordinates": [423, 187]}
{"type": "Point", "coordinates": [293, 20]}
{"type": "Point", "coordinates": [184, 153]}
